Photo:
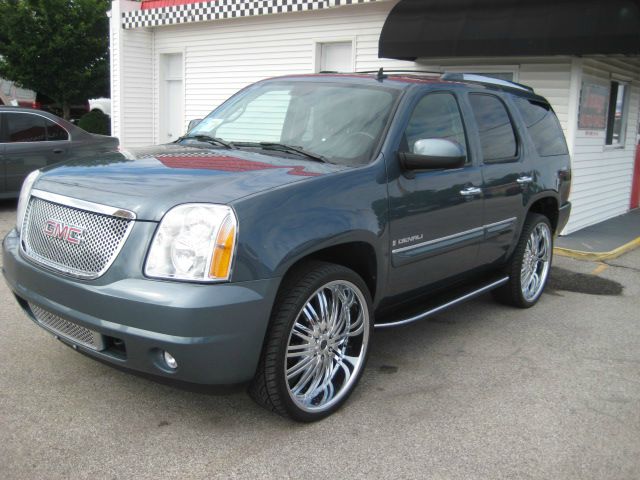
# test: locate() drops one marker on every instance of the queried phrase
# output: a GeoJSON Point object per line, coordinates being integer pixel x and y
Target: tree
{"type": "Point", "coordinates": [58, 48]}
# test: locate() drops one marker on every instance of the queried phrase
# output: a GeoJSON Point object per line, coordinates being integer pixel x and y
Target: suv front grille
{"type": "Point", "coordinates": [74, 241]}
{"type": "Point", "coordinates": [69, 330]}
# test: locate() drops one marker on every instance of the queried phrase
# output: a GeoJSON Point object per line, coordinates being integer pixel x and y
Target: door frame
{"type": "Point", "coordinates": [159, 86]}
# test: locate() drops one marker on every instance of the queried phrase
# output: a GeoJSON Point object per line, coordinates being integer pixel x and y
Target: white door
{"type": "Point", "coordinates": [172, 124]}
{"type": "Point", "coordinates": [336, 57]}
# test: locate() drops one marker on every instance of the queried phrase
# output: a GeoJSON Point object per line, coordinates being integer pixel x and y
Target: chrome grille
{"type": "Point", "coordinates": [69, 330]}
{"type": "Point", "coordinates": [102, 237]}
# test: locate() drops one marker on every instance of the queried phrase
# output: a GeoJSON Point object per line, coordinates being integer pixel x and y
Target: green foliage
{"type": "Point", "coordinates": [96, 122]}
{"type": "Point", "coordinates": [58, 48]}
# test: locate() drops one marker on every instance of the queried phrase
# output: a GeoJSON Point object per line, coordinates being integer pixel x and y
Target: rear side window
{"type": "Point", "coordinates": [55, 132]}
{"type": "Point", "coordinates": [25, 127]}
{"type": "Point", "coordinates": [543, 127]}
{"type": "Point", "coordinates": [497, 136]}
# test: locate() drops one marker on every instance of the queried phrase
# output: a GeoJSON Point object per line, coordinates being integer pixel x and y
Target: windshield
{"type": "Point", "coordinates": [341, 123]}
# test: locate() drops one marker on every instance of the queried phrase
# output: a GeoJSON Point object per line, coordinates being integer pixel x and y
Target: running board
{"type": "Point", "coordinates": [439, 308]}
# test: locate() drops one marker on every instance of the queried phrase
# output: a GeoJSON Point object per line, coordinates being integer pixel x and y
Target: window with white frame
{"type": "Point", "coordinates": [335, 57]}
{"type": "Point", "coordinates": [617, 114]}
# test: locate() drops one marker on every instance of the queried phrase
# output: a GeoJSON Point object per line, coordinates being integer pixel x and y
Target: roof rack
{"type": "Point", "coordinates": [383, 71]}
{"type": "Point", "coordinates": [452, 77]}
{"type": "Point", "coordinates": [482, 79]}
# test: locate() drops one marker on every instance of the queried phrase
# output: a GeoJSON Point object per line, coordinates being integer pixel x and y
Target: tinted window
{"type": "Point", "coordinates": [262, 119]}
{"type": "Point", "coordinates": [341, 122]}
{"type": "Point", "coordinates": [543, 126]}
{"type": "Point", "coordinates": [25, 127]}
{"type": "Point", "coordinates": [497, 137]}
{"type": "Point", "coordinates": [436, 116]}
{"type": "Point", "coordinates": [55, 131]}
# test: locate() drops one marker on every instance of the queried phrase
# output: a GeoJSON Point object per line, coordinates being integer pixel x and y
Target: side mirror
{"type": "Point", "coordinates": [193, 123]}
{"type": "Point", "coordinates": [433, 153]}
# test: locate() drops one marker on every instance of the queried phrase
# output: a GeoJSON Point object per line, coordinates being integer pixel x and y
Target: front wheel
{"type": "Point", "coordinates": [317, 344]}
{"type": "Point", "coordinates": [530, 264]}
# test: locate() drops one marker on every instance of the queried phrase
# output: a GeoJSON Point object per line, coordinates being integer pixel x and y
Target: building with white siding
{"type": "Point", "coordinates": [174, 60]}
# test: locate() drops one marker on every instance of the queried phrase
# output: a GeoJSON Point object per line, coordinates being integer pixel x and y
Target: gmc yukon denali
{"type": "Point", "coordinates": [265, 245]}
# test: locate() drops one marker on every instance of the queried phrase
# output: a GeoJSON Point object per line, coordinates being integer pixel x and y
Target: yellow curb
{"type": "Point", "coordinates": [597, 256]}
{"type": "Point", "coordinates": [599, 269]}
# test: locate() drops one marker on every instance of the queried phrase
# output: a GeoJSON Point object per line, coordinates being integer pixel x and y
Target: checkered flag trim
{"type": "Point", "coordinates": [222, 9]}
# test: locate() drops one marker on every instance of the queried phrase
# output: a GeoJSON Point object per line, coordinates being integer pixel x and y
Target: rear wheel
{"type": "Point", "coordinates": [317, 344]}
{"type": "Point", "coordinates": [530, 264]}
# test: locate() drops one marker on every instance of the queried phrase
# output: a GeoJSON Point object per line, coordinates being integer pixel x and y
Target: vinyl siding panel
{"type": "Point", "coordinates": [115, 46]}
{"type": "Point", "coordinates": [137, 92]}
{"type": "Point", "coordinates": [222, 57]}
{"type": "Point", "coordinates": [602, 175]}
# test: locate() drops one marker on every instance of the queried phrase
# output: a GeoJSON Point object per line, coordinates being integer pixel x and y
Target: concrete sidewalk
{"type": "Point", "coordinates": [605, 240]}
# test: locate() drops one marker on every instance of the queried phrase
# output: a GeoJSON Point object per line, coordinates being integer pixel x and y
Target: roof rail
{"type": "Point", "coordinates": [474, 78]}
{"type": "Point", "coordinates": [414, 72]}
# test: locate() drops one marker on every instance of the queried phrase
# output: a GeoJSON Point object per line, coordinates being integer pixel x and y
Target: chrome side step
{"type": "Point", "coordinates": [444, 306]}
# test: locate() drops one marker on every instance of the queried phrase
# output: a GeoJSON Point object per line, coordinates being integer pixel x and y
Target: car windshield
{"type": "Point", "coordinates": [338, 122]}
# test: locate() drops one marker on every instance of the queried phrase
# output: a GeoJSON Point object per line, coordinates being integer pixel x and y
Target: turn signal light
{"type": "Point", "coordinates": [223, 252]}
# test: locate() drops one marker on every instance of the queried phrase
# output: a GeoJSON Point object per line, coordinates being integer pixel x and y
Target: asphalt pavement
{"type": "Point", "coordinates": [482, 391]}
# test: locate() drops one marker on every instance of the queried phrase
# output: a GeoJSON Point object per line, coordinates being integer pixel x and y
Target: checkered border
{"type": "Point", "coordinates": [221, 9]}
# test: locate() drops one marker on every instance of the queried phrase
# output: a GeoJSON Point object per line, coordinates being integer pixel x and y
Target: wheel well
{"type": "Point", "coordinates": [358, 256]}
{"type": "Point", "coordinates": [548, 207]}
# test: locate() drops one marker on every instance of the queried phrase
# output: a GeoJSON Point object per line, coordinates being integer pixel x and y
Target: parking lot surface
{"type": "Point", "coordinates": [481, 391]}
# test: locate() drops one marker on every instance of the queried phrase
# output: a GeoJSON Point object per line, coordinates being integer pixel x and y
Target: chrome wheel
{"type": "Point", "coordinates": [536, 262]}
{"type": "Point", "coordinates": [327, 346]}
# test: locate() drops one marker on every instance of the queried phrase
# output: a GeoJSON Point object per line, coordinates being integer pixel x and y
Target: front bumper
{"type": "Point", "coordinates": [215, 332]}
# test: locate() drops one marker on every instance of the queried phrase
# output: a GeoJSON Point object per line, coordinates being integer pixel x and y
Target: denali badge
{"type": "Point", "coordinates": [411, 239]}
{"type": "Point", "coordinates": [68, 233]}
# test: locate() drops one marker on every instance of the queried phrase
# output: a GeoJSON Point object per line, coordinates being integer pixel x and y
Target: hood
{"type": "Point", "coordinates": [150, 181]}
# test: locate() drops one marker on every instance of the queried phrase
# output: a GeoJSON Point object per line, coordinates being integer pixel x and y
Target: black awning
{"type": "Point", "coordinates": [471, 28]}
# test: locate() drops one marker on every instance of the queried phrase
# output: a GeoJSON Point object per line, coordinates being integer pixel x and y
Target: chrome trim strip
{"type": "Point", "coordinates": [437, 240]}
{"type": "Point", "coordinates": [444, 306]}
{"type": "Point", "coordinates": [507, 222]}
{"type": "Point", "coordinates": [84, 205]}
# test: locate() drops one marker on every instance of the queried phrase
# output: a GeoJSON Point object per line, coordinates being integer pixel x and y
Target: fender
{"type": "Point", "coordinates": [280, 227]}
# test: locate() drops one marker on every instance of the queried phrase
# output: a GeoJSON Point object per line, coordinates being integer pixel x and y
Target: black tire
{"type": "Point", "coordinates": [269, 387]}
{"type": "Point", "coordinates": [511, 293]}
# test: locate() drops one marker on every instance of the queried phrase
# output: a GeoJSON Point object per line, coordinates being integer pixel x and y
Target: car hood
{"type": "Point", "coordinates": [149, 181]}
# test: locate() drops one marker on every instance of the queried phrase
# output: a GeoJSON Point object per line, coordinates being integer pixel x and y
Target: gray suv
{"type": "Point", "coordinates": [265, 245]}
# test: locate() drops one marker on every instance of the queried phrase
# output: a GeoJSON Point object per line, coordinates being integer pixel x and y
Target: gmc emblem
{"type": "Point", "coordinates": [68, 233]}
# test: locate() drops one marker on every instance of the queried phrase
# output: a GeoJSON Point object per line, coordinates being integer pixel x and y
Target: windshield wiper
{"type": "Point", "coordinates": [283, 147]}
{"type": "Point", "coordinates": [209, 139]}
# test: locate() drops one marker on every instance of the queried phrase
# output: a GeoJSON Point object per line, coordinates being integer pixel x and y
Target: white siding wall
{"type": "Point", "coordinates": [131, 80]}
{"type": "Point", "coordinates": [222, 57]}
{"type": "Point", "coordinates": [602, 175]}
{"type": "Point", "coordinates": [115, 46]}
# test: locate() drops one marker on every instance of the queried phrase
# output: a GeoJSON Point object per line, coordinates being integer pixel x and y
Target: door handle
{"type": "Point", "coordinates": [470, 191]}
{"type": "Point", "coordinates": [58, 151]}
{"type": "Point", "coordinates": [524, 180]}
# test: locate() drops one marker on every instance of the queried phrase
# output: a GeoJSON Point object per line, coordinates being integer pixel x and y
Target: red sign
{"type": "Point", "coordinates": [594, 101]}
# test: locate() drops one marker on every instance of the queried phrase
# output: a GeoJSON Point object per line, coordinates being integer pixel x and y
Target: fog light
{"type": "Point", "coordinates": [170, 361]}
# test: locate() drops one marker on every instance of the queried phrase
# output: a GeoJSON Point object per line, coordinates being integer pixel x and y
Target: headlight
{"type": "Point", "coordinates": [25, 193]}
{"type": "Point", "coordinates": [194, 242]}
